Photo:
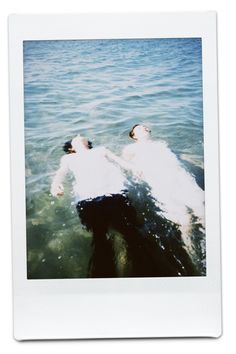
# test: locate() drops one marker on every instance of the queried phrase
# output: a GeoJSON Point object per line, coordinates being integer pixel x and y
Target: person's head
{"type": "Point", "coordinates": [77, 144]}
{"type": "Point", "coordinates": [80, 143]}
{"type": "Point", "coordinates": [139, 132]}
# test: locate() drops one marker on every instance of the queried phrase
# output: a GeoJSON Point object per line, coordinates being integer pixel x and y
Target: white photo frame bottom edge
{"type": "Point", "coordinates": [43, 316]}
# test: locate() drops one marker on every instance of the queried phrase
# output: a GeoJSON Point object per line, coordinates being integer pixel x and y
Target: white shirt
{"type": "Point", "coordinates": [94, 174]}
{"type": "Point", "coordinates": [172, 186]}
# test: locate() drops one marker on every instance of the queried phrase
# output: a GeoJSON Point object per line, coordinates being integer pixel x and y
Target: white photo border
{"type": "Point", "coordinates": [118, 307]}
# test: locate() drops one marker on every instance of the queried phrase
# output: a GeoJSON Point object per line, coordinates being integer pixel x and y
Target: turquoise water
{"type": "Point", "coordinates": [101, 88]}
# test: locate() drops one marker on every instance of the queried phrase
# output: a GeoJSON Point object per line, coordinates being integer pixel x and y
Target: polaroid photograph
{"type": "Point", "coordinates": [115, 181]}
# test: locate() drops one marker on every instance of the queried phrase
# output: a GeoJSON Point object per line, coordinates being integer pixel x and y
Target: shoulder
{"type": "Point", "coordinates": [160, 144]}
{"type": "Point", "coordinates": [129, 148]}
{"type": "Point", "coordinates": [163, 148]}
{"type": "Point", "coordinates": [65, 159]}
{"type": "Point", "coordinates": [129, 152]}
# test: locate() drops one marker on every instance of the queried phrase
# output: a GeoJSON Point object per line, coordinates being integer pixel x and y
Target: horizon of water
{"type": "Point", "coordinates": [100, 89]}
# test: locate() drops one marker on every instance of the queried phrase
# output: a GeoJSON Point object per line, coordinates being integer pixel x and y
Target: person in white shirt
{"type": "Point", "coordinates": [100, 194]}
{"type": "Point", "coordinates": [95, 174]}
{"type": "Point", "coordinates": [174, 189]}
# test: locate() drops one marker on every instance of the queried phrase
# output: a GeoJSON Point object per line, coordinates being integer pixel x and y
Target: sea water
{"type": "Point", "coordinates": [100, 89]}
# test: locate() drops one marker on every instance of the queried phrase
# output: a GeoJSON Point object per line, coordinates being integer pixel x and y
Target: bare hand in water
{"type": "Point", "coordinates": [57, 190]}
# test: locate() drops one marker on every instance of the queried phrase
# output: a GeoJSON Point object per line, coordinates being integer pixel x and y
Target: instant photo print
{"type": "Point", "coordinates": [114, 176]}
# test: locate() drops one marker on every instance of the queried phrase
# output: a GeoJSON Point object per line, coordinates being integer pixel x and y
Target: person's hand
{"type": "Point", "coordinates": [57, 191]}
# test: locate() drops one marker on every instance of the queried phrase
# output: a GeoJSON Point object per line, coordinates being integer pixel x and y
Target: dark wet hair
{"type": "Point", "coordinates": [67, 147]}
{"type": "Point", "coordinates": [131, 133]}
{"type": "Point", "coordinates": [90, 144]}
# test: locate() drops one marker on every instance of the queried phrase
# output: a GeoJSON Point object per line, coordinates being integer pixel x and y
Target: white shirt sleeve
{"type": "Point", "coordinates": [56, 186]}
{"type": "Point", "coordinates": [128, 153]}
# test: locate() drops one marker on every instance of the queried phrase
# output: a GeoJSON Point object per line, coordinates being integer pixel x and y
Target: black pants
{"type": "Point", "coordinates": [114, 211]}
{"type": "Point", "coordinates": [98, 215]}
{"type": "Point", "coordinates": [147, 257]}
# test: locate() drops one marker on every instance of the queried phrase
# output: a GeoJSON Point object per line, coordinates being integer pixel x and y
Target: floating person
{"type": "Point", "coordinates": [102, 202]}
{"type": "Point", "coordinates": [174, 189]}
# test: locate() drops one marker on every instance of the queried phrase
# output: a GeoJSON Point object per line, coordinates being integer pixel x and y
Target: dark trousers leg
{"type": "Point", "coordinates": [93, 215]}
{"type": "Point", "coordinates": [147, 257]}
{"type": "Point", "coordinates": [124, 220]}
{"type": "Point", "coordinates": [102, 264]}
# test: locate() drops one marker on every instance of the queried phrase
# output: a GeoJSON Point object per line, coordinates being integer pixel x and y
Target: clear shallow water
{"type": "Point", "coordinates": [101, 88]}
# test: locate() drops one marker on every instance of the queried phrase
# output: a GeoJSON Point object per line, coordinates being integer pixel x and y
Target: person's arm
{"type": "Point", "coordinates": [122, 163]}
{"type": "Point", "coordinates": [56, 186]}
{"type": "Point", "coordinates": [127, 154]}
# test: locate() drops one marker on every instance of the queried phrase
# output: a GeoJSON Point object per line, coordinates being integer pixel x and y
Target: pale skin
{"type": "Point", "coordinates": [141, 133]}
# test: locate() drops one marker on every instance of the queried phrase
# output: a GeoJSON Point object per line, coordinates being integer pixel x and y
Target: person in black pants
{"type": "Point", "coordinates": [102, 203]}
